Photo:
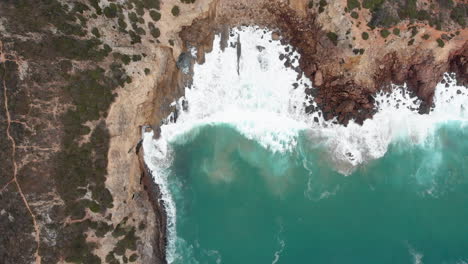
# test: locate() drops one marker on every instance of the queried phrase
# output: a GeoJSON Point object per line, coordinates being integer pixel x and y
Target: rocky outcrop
{"type": "Point", "coordinates": [347, 60]}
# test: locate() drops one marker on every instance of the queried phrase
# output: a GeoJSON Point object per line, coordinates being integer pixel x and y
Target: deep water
{"type": "Point", "coordinates": [238, 202]}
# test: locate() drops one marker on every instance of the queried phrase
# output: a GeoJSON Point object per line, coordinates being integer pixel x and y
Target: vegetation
{"type": "Point", "coordinates": [96, 33]}
{"type": "Point", "coordinates": [440, 43]}
{"type": "Point", "coordinates": [111, 10]}
{"type": "Point", "coordinates": [352, 4]}
{"type": "Point", "coordinates": [322, 4]}
{"type": "Point", "coordinates": [354, 15]}
{"type": "Point", "coordinates": [459, 14]}
{"type": "Point", "coordinates": [426, 36]}
{"type": "Point", "coordinates": [396, 31]}
{"type": "Point", "coordinates": [372, 4]}
{"type": "Point", "coordinates": [365, 35]}
{"type": "Point", "coordinates": [155, 15]}
{"type": "Point", "coordinates": [384, 33]}
{"type": "Point", "coordinates": [154, 31]}
{"type": "Point", "coordinates": [175, 10]}
{"type": "Point", "coordinates": [187, 1]}
{"type": "Point", "coordinates": [333, 37]}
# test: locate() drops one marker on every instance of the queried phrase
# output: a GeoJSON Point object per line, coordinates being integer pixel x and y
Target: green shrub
{"type": "Point", "coordinates": [147, 71]}
{"type": "Point", "coordinates": [365, 35]}
{"type": "Point", "coordinates": [122, 24]}
{"type": "Point", "coordinates": [440, 43]}
{"type": "Point", "coordinates": [352, 4]}
{"type": "Point", "coordinates": [426, 36]}
{"type": "Point", "coordinates": [459, 14]}
{"type": "Point", "coordinates": [95, 32]}
{"type": "Point", "coordinates": [136, 57]}
{"type": "Point", "coordinates": [354, 15]}
{"type": "Point", "coordinates": [156, 16]}
{"type": "Point", "coordinates": [187, 1]}
{"type": "Point", "coordinates": [133, 257]}
{"type": "Point", "coordinates": [396, 31]}
{"type": "Point", "coordinates": [154, 31]}
{"type": "Point", "coordinates": [384, 33]}
{"type": "Point", "coordinates": [322, 5]}
{"type": "Point", "coordinates": [132, 16]}
{"type": "Point", "coordinates": [372, 4]}
{"type": "Point", "coordinates": [111, 10]}
{"type": "Point", "coordinates": [333, 37]}
{"type": "Point", "coordinates": [175, 11]}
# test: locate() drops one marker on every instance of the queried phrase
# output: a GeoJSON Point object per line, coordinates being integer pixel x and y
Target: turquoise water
{"type": "Point", "coordinates": [240, 203]}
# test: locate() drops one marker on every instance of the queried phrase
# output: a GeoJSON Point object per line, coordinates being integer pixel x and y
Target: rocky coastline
{"type": "Point", "coordinates": [75, 155]}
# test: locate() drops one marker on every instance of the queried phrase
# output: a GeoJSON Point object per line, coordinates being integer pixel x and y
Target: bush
{"type": "Point", "coordinates": [372, 4]}
{"type": "Point", "coordinates": [365, 35]}
{"type": "Point", "coordinates": [396, 31]}
{"type": "Point", "coordinates": [111, 11]}
{"type": "Point", "coordinates": [459, 14]}
{"type": "Point", "coordinates": [354, 15]}
{"type": "Point", "coordinates": [175, 11]}
{"type": "Point", "coordinates": [333, 37]}
{"type": "Point", "coordinates": [352, 4]}
{"type": "Point", "coordinates": [95, 32]}
{"type": "Point", "coordinates": [384, 33]}
{"type": "Point", "coordinates": [154, 31]}
{"type": "Point", "coordinates": [426, 36]}
{"type": "Point", "coordinates": [156, 16]}
{"type": "Point", "coordinates": [440, 43]}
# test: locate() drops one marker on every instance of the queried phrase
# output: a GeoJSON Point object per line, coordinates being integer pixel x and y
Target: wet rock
{"type": "Point", "coordinates": [275, 36]}
{"type": "Point", "coordinates": [346, 107]}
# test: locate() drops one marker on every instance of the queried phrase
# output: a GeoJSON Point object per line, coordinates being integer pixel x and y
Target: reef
{"type": "Point", "coordinates": [80, 78]}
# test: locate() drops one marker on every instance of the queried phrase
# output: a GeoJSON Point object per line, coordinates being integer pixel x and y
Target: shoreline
{"type": "Point", "coordinates": [154, 195]}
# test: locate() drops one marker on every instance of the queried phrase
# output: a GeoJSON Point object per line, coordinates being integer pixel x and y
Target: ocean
{"type": "Point", "coordinates": [248, 177]}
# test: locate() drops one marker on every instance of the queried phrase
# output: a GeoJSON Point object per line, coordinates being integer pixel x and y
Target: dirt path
{"type": "Point", "coordinates": [15, 166]}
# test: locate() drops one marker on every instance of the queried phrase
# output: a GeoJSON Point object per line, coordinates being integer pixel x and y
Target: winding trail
{"type": "Point", "coordinates": [13, 156]}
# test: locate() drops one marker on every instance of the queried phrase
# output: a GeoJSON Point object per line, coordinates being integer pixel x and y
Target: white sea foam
{"type": "Point", "coordinates": [261, 102]}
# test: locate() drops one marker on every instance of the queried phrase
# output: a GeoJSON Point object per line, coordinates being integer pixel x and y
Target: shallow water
{"type": "Point", "coordinates": [240, 203]}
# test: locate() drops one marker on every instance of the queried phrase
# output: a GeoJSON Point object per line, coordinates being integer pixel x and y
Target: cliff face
{"type": "Point", "coordinates": [78, 80]}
